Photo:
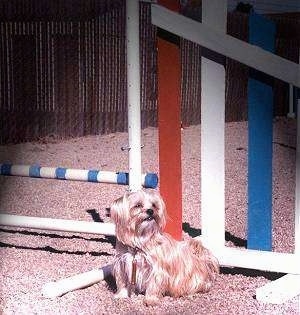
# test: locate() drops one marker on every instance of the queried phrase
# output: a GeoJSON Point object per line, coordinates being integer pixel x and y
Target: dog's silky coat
{"type": "Point", "coordinates": [150, 261]}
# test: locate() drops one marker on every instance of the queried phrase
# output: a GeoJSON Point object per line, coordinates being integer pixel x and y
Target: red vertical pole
{"type": "Point", "coordinates": [169, 126]}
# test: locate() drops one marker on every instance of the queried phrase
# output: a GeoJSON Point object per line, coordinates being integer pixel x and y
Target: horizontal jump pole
{"type": "Point", "coordinates": [149, 180]}
{"type": "Point", "coordinates": [256, 259]}
{"type": "Point", "coordinates": [57, 224]}
{"type": "Point", "coordinates": [80, 281]}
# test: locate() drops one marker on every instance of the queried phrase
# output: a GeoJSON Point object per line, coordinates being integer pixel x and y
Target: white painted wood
{"type": "Point", "coordinates": [48, 172]}
{"type": "Point", "coordinates": [79, 281]}
{"type": "Point", "coordinates": [212, 134]}
{"type": "Point", "coordinates": [260, 260]}
{"type": "Point", "coordinates": [226, 45]}
{"type": "Point", "coordinates": [107, 177]}
{"type": "Point", "coordinates": [211, 34]}
{"type": "Point", "coordinates": [81, 175]}
{"type": "Point", "coordinates": [20, 170]}
{"type": "Point", "coordinates": [57, 224]}
{"type": "Point", "coordinates": [288, 286]}
{"type": "Point", "coordinates": [279, 291]}
{"type": "Point", "coordinates": [133, 94]}
{"type": "Point", "coordinates": [255, 259]}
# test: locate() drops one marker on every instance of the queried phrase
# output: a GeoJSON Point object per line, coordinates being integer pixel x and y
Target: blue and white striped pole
{"type": "Point", "coordinates": [148, 180]}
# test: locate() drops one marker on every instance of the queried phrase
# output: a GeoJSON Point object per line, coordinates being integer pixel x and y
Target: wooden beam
{"type": "Point", "coordinates": [212, 133]}
{"type": "Point", "coordinates": [169, 126]}
{"type": "Point", "coordinates": [133, 94]}
{"type": "Point", "coordinates": [57, 224]}
{"type": "Point", "coordinates": [279, 291]}
{"type": "Point", "coordinates": [255, 259]}
{"type": "Point", "coordinates": [260, 137]}
{"type": "Point", "coordinates": [227, 45]}
{"type": "Point", "coordinates": [260, 260]}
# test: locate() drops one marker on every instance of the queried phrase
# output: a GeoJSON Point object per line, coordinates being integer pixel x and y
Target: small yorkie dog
{"type": "Point", "coordinates": [150, 261]}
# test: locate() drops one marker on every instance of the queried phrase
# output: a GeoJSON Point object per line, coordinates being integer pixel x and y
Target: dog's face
{"type": "Point", "coordinates": [138, 215]}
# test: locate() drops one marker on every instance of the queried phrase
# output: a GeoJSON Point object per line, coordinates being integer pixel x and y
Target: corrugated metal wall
{"type": "Point", "coordinates": [63, 77]}
{"type": "Point", "coordinates": [62, 70]}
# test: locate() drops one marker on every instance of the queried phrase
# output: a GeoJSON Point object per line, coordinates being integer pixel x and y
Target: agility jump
{"type": "Point", "coordinates": [149, 180]}
{"type": "Point", "coordinates": [212, 140]}
{"type": "Point", "coordinates": [211, 34]}
{"type": "Point", "coordinates": [212, 149]}
{"type": "Point", "coordinates": [134, 178]}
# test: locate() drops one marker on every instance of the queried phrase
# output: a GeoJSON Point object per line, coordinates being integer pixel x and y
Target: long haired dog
{"type": "Point", "coordinates": [150, 261]}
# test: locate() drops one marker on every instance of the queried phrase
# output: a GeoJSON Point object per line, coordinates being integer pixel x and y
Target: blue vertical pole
{"type": "Point", "coordinates": [260, 136]}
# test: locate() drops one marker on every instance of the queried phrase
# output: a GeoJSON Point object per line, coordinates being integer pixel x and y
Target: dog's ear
{"type": "Point", "coordinates": [157, 197]}
{"type": "Point", "coordinates": [126, 194]}
{"type": "Point", "coordinates": [119, 210]}
{"type": "Point", "coordinates": [115, 207]}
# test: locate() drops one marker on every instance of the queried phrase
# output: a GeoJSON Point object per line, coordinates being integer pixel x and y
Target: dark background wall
{"type": "Point", "coordinates": [63, 68]}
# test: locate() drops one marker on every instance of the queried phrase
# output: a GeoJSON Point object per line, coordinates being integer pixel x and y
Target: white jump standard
{"type": "Point", "coordinates": [212, 165]}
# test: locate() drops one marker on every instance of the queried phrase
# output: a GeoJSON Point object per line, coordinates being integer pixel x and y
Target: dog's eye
{"type": "Point", "coordinates": [139, 205]}
{"type": "Point", "coordinates": [107, 212]}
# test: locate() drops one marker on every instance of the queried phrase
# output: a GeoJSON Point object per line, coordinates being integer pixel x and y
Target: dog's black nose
{"type": "Point", "coordinates": [150, 212]}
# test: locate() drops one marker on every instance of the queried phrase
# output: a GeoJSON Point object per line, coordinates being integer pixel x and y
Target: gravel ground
{"type": "Point", "coordinates": [31, 258]}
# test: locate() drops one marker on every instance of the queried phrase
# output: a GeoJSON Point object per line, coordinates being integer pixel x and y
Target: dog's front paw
{"type": "Point", "coordinates": [151, 300]}
{"type": "Point", "coordinates": [122, 294]}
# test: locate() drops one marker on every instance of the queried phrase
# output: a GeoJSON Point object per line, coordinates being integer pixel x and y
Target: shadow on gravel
{"type": "Point", "coordinates": [54, 250]}
{"type": "Point", "coordinates": [253, 273]}
{"type": "Point", "coordinates": [58, 236]}
{"type": "Point", "coordinates": [96, 218]}
{"type": "Point", "coordinates": [238, 242]}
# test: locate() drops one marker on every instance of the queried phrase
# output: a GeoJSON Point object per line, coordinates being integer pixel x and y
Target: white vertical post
{"type": "Point", "coordinates": [214, 14]}
{"type": "Point", "coordinates": [133, 94]}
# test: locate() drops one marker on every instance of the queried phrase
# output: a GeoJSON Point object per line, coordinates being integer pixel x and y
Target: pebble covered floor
{"type": "Point", "coordinates": [31, 258]}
